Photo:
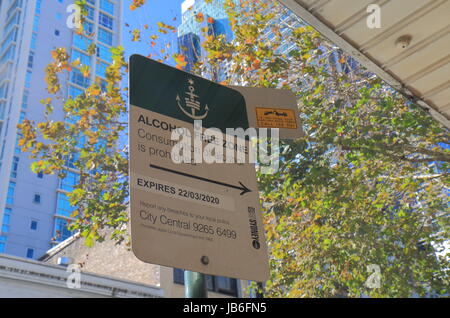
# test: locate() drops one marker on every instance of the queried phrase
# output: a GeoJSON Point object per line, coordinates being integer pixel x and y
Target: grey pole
{"type": "Point", "coordinates": [195, 285]}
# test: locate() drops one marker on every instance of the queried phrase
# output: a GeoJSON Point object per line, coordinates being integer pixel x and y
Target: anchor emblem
{"type": "Point", "coordinates": [192, 103]}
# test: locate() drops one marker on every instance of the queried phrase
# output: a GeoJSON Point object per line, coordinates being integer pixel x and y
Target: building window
{"type": "Point", "coordinates": [9, 54]}
{"type": "Point", "coordinates": [10, 195]}
{"type": "Point", "coordinates": [3, 240]}
{"type": "Point", "coordinates": [74, 91]}
{"type": "Point", "coordinates": [84, 58]}
{"type": "Point", "coordinates": [81, 42]}
{"type": "Point", "coordinates": [17, 147]}
{"type": "Point", "coordinates": [3, 147]}
{"type": "Point", "coordinates": [57, 32]}
{"type": "Point", "coordinates": [28, 79]}
{"type": "Point", "coordinates": [71, 159]}
{"type": "Point", "coordinates": [2, 111]}
{"type": "Point", "coordinates": [217, 284]}
{"type": "Point", "coordinates": [25, 99]}
{"type": "Point", "coordinates": [11, 37]}
{"type": "Point", "coordinates": [105, 20]}
{"type": "Point", "coordinates": [90, 12]}
{"type": "Point", "coordinates": [40, 175]}
{"type": "Point", "coordinates": [6, 220]}
{"type": "Point", "coordinates": [33, 41]}
{"type": "Point", "coordinates": [103, 85]}
{"type": "Point", "coordinates": [69, 181]}
{"type": "Point", "coordinates": [104, 53]}
{"type": "Point", "coordinates": [63, 205]}
{"type": "Point", "coordinates": [4, 91]}
{"type": "Point", "coordinates": [78, 78]}
{"type": "Point", "coordinates": [105, 36]}
{"type": "Point", "coordinates": [107, 6]}
{"type": "Point", "coordinates": [30, 252]}
{"type": "Point", "coordinates": [88, 27]}
{"type": "Point", "coordinates": [178, 276]}
{"type": "Point", "coordinates": [30, 60]}
{"type": "Point", "coordinates": [12, 22]}
{"type": "Point", "coordinates": [14, 167]}
{"type": "Point", "coordinates": [101, 69]}
{"type": "Point", "coordinates": [226, 285]}
{"type": "Point", "coordinates": [38, 7]}
{"type": "Point", "coordinates": [37, 198]}
{"type": "Point", "coordinates": [22, 117]}
{"type": "Point", "coordinates": [33, 225]}
{"type": "Point", "coordinates": [36, 23]}
{"type": "Point", "coordinates": [61, 231]}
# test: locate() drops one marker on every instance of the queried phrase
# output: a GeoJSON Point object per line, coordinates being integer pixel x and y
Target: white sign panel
{"type": "Point", "coordinates": [196, 216]}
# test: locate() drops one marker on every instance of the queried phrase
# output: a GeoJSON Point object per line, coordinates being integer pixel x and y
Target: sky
{"type": "Point", "coordinates": [167, 11]}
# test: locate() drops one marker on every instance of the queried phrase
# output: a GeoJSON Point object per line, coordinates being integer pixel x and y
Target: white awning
{"type": "Point", "coordinates": [410, 51]}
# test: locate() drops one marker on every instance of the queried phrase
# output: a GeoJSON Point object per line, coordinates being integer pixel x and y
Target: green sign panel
{"type": "Point", "coordinates": [168, 91]}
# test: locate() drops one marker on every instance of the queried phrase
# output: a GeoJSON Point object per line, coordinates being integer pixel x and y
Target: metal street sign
{"type": "Point", "coordinates": [196, 216]}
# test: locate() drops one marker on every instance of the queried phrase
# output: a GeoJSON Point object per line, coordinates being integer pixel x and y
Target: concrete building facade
{"type": "Point", "coordinates": [117, 260]}
{"type": "Point", "coordinates": [24, 278]}
{"type": "Point", "coordinates": [34, 208]}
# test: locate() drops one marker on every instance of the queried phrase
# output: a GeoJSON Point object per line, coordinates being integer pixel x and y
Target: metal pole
{"type": "Point", "coordinates": [195, 285]}
{"type": "Point", "coordinates": [259, 290]}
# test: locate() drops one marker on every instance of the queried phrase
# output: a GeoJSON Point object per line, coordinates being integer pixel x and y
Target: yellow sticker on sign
{"type": "Point", "coordinates": [276, 118]}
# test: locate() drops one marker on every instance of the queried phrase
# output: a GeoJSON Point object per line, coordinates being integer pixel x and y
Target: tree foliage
{"type": "Point", "coordinates": [368, 184]}
{"type": "Point", "coordinates": [86, 141]}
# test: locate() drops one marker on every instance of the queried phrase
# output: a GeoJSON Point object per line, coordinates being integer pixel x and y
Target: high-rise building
{"type": "Point", "coordinates": [34, 208]}
{"type": "Point", "coordinates": [197, 16]}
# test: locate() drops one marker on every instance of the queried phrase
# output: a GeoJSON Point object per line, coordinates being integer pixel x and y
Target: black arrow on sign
{"type": "Point", "coordinates": [243, 188]}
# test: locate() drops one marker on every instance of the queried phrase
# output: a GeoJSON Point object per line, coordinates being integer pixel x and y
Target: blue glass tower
{"type": "Point", "coordinates": [190, 34]}
{"type": "Point", "coordinates": [189, 46]}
